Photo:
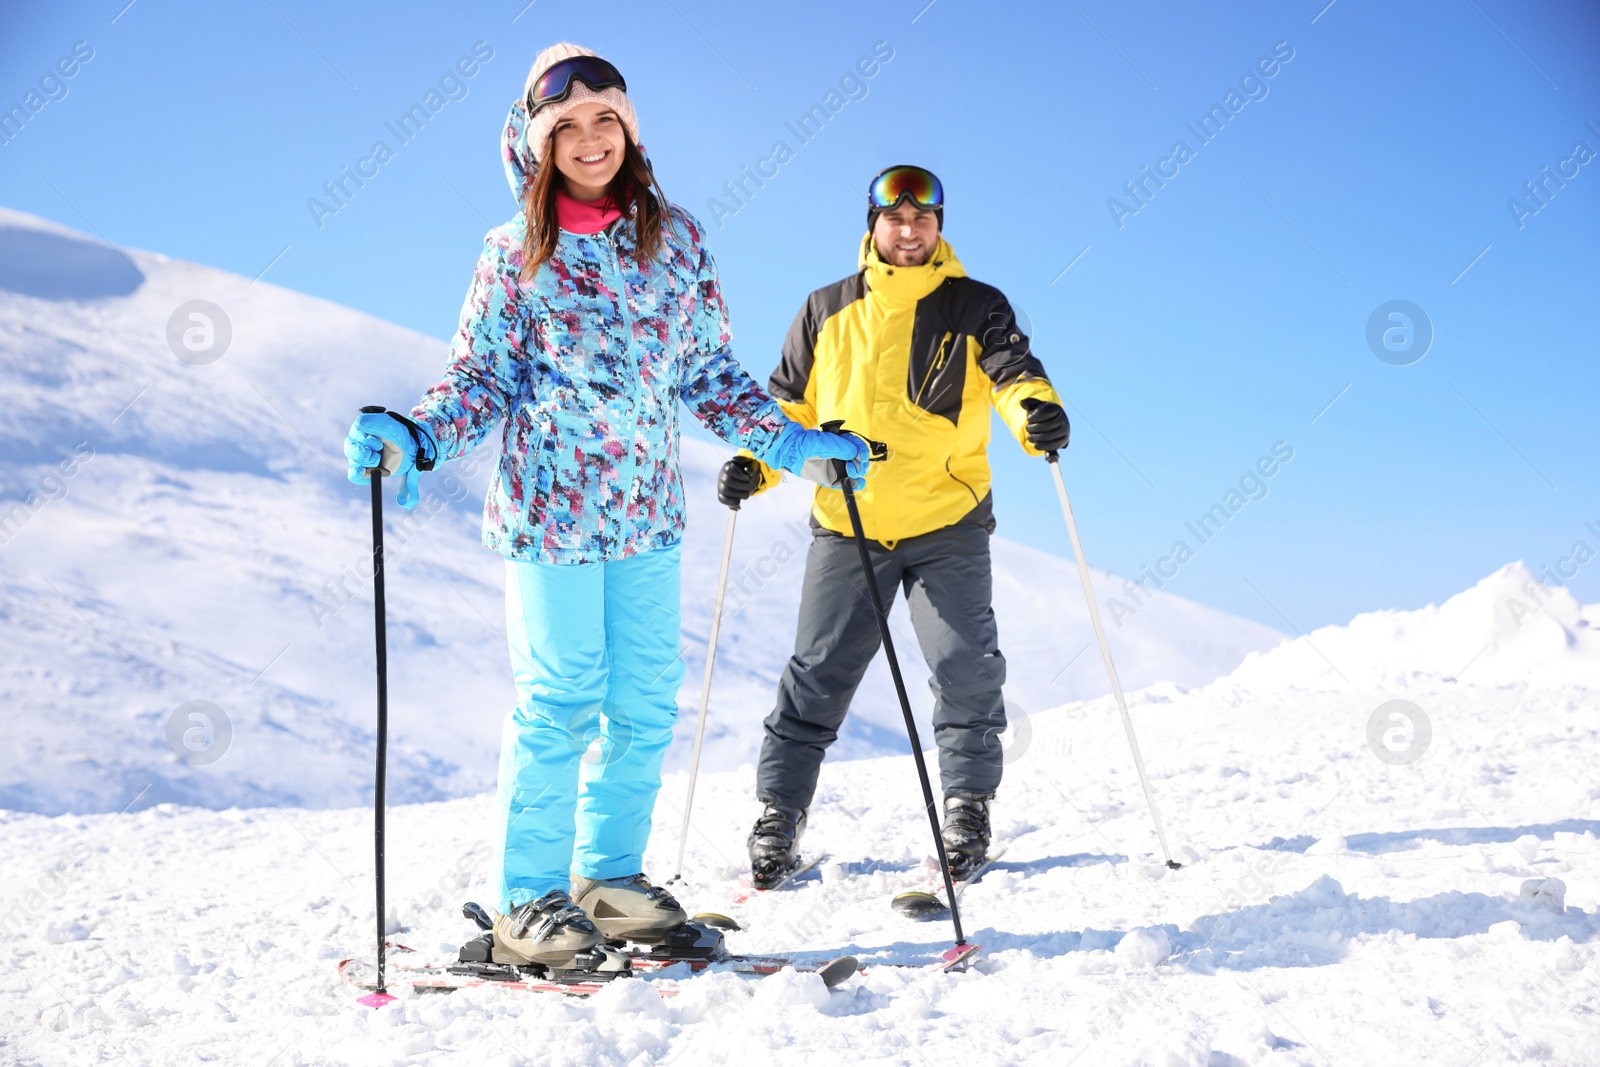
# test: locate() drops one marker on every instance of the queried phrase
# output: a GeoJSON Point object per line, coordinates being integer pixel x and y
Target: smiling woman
{"type": "Point", "coordinates": [592, 317]}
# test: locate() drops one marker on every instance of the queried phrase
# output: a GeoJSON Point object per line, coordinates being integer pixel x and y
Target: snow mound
{"type": "Point", "coordinates": [1143, 947]}
{"type": "Point", "coordinates": [1547, 894]}
{"type": "Point", "coordinates": [1509, 628]}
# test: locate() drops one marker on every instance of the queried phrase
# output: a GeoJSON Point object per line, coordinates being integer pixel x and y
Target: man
{"type": "Point", "coordinates": [911, 352]}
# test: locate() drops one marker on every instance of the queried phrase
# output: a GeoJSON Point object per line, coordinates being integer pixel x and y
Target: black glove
{"type": "Point", "coordinates": [738, 481]}
{"type": "Point", "coordinates": [1048, 429]}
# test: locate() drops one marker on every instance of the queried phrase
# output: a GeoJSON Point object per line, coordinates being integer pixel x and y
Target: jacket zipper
{"type": "Point", "coordinates": [963, 485]}
{"type": "Point", "coordinates": [938, 362]}
{"type": "Point", "coordinates": [632, 470]}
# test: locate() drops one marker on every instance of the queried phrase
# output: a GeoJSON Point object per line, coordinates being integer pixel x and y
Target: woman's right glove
{"type": "Point", "coordinates": [795, 444]}
{"type": "Point", "coordinates": [363, 447]}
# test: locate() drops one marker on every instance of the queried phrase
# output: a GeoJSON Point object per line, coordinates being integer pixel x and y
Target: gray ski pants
{"type": "Point", "coordinates": [947, 583]}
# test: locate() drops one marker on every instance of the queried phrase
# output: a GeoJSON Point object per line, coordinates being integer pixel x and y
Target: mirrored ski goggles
{"type": "Point", "coordinates": [555, 84]}
{"type": "Point", "coordinates": [895, 184]}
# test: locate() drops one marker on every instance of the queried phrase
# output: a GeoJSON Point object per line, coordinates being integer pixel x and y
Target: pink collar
{"type": "Point", "coordinates": [578, 216]}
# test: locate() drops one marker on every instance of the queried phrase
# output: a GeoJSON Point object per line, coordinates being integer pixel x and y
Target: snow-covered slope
{"type": "Point", "coordinates": [180, 529]}
{"type": "Point", "coordinates": [1435, 905]}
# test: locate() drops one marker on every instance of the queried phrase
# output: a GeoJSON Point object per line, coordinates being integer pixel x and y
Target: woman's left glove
{"type": "Point", "coordinates": [363, 447]}
{"type": "Point", "coordinates": [792, 447]}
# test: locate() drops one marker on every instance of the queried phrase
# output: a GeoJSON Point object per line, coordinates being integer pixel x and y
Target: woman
{"type": "Point", "coordinates": [590, 316]}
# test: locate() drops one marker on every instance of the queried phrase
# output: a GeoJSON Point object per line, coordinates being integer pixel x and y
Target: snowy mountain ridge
{"type": "Point", "coordinates": [1510, 627]}
{"type": "Point", "coordinates": [202, 545]}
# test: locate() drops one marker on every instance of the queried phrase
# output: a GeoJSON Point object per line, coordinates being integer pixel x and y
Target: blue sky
{"type": "Point", "coordinates": [1192, 328]}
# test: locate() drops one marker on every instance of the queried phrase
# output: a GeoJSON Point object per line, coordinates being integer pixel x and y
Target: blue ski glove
{"type": "Point", "coordinates": [791, 448]}
{"type": "Point", "coordinates": [363, 447]}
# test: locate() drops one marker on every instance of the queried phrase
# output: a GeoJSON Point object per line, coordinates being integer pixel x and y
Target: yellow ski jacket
{"type": "Point", "coordinates": [913, 357]}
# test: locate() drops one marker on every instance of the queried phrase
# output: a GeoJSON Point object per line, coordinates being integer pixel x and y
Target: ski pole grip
{"type": "Point", "coordinates": [1028, 404]}
{"type": "Point", "coordinates": [389, 461]}
{"type": "Point", "coordinates": [841, 473]}
{"type": "Point", "coordinates": [834, 473]}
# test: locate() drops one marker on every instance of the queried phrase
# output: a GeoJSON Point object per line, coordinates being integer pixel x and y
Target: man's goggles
{"type": "Point", "coordinates": [895, 184]}
{"type": "Point", "coordinates": [555, 84]}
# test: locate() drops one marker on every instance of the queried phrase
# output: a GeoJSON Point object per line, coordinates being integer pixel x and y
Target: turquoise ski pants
{"type": "Point", "coordinates": [594, 654]}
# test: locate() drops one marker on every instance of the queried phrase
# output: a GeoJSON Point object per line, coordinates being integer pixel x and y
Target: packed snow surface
{"type": "Point", "coordinates": [1435, 904]}
{"type": "Point", "coordinates": [1388, 829]}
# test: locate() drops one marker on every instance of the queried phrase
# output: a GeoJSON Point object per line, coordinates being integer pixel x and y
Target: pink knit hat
{"type": "Point", "coordinates": [540, 125]}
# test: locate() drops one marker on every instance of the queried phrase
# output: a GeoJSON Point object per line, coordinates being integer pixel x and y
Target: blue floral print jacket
{"type": "Point", "coordinates": [585, 365]}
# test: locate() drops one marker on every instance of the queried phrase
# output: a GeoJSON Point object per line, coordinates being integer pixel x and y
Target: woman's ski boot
{"type": "Point", "coordinates": [550, 936]}
{"type": "Point", "coordinates": [632, 910]}
{"type": "Point", "coordinates": [628, 909]}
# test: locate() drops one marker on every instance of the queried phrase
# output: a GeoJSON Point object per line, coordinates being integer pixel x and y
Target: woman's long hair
{"type": "Point", "coordinates": [634, 184]}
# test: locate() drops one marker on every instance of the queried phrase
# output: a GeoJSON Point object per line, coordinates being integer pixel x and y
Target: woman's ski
{"type": "Point", "coordinates": [445, 978]}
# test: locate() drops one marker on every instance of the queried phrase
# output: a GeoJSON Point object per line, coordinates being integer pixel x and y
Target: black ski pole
{"type": "Point", "coordinates": [843, 476]}
{"type": "Point", "coordinates": [388, 463]}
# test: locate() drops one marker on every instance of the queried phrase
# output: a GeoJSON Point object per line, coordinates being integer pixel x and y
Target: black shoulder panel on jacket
{"type": "Point", "coordinates": [789, 380]}
{"type": "Point", "coordinates": [936, 367]}
{"type": "Point", "coordinates": [983, 311]}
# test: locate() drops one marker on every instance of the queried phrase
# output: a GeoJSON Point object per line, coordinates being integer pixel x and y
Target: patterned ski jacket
{"type": "Point", "coordinates": [585, 365]}
{"type": "Point", "coordinates": [915, 357]}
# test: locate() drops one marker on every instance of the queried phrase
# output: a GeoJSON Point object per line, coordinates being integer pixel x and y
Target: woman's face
{"type": "Point", "coordinates": [589, 141]}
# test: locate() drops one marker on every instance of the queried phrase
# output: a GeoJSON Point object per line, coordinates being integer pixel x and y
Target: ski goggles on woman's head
{"type": "Point", "coordinates": [555, 84]}
{"type": "Point", "coordinates": [898, 183]}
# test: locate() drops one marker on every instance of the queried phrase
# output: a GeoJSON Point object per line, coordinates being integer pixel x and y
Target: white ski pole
{"type": "Point", "coordinates": [1105, 654]}
{"type": "Point", "coordinates": [705, 684]}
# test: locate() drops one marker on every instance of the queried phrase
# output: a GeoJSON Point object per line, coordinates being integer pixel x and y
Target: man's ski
{"type": "Point", "coordinates": [928, 902]}
{"type": "Point", "coordinates": [748, 890]}
{"type": "Point", "coordinates": [747, 884]}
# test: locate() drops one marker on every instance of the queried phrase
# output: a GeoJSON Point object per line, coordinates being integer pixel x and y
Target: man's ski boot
{"type": "Point", "coordinates": [966, 833]}
{"type": "Point", "coordinates": [774, 843]}
{"type": "Point", "coordinates": [550, 935]}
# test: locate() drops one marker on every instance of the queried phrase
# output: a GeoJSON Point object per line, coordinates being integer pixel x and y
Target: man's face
{"type": "Point", "coordinates": [905, 235]}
